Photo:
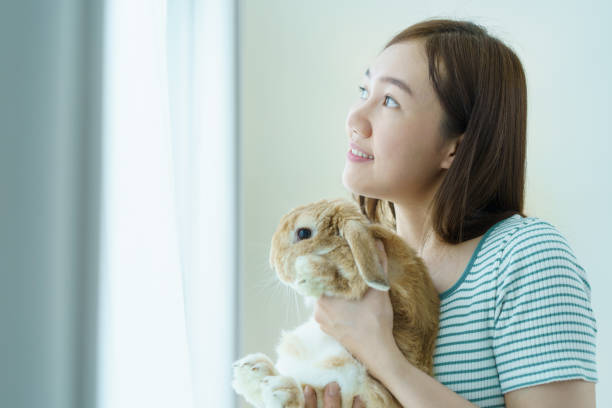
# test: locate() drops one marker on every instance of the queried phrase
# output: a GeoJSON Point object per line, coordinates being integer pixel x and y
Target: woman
{"type": "Point", "coordinates": [441, 121]}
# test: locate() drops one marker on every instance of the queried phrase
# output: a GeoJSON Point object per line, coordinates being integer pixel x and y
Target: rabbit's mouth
{"type": "Point", "coordinates": [314, 275]}
{"type": "Point", "coordinates": [309, 288]}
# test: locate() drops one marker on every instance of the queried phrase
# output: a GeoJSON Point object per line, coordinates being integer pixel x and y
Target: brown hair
{"type": "Point", "coordinates": [481, 86]}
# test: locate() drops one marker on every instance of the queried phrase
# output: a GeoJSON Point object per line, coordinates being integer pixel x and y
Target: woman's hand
{"type": "Point", "coordinates": [331, 397]}
{"type": "Point", "coordinates": [365, 326]}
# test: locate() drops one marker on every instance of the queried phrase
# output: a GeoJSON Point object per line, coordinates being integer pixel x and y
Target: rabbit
{"type": "Point", "coordinates": [328, 247]}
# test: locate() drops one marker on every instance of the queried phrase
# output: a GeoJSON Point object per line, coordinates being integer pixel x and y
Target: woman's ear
{"type": "Point", "coordinates": [451, 152]}
{"type": "Point", "coordinates": [365, 253]}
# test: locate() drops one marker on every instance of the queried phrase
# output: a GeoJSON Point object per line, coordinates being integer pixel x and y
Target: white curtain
{"type": "Point", "coordinates": [169, 259]}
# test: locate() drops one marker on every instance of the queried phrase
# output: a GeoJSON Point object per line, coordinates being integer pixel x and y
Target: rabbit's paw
{"type": "Point", "coordinates": [249, 372]}
{"type": "Point", "coordinates": [282, 392]}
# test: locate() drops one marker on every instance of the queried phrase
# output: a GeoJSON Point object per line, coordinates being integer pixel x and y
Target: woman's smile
{"type": "Point", "coordinates": [355, 155]}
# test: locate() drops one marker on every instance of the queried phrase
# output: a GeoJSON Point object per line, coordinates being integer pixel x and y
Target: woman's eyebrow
{"type": "Point", "coordinates": [393, 81]}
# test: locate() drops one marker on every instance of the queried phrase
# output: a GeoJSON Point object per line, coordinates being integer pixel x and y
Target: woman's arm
{"type": "Point", "coordinates": [365, 328]}
{"type": "Point", "coordinates": [411, 386]}
{"type": "Point", "coordinates": [414, 388]}
{"type": "Point", "coordinates": [562, 394]}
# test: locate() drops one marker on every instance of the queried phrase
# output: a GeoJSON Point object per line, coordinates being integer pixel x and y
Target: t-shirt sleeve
{"type": "Point", "coordinates": [544, 328]}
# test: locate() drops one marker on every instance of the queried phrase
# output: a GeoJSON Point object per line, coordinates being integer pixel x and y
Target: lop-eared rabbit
{"type": "Point", "coordinates": [328, 247]}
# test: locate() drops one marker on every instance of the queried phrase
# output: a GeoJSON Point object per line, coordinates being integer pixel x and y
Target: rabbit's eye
{"type": "Point", "coordinates": [304, 233]}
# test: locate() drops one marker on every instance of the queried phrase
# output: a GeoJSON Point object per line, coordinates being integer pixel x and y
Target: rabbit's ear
{"type": "Point", "coordinates": [365, 253]}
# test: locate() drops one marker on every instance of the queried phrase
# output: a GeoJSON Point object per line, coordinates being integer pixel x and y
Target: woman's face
{"type": "Point", "coordinates": [398, 125]}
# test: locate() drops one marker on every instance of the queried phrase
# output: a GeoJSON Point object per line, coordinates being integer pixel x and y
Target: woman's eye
{"type": "Point", "coordinates": [387, 98]}
{"type": "Point", "coordinates": [362, 90]}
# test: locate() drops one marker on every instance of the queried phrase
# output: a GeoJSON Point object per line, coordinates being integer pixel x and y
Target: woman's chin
{"type": "Point", "coordinates": [352, 183]}
{"type": "Point", "coordinates": [347, 180]}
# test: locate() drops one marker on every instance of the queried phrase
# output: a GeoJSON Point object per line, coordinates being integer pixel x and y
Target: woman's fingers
{"type": "Point", "coordinates": [310, 397]}
{"type": "Point", "coordinates": [332, 396]}
{"type": "Point", "coordinates": [357, 403]}
{"type": "Point", "coordinates": [382, 253]}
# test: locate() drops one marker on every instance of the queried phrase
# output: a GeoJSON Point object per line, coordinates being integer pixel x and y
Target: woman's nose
{"type": "Point", "coordinates": [358, 124]}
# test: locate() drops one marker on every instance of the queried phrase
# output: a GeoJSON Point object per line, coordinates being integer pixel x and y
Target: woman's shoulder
{"type": "Point", "coordinates": [509, 236]}
{"type": "Point", "coordinates": [522, 234]}
{"type": "Point", "coordinates": [533, 248]}
{"type": "Point", "coordinates": [504, 236]}
{"type": "Point", "coordinates": [542, 307]}
{"type": "Point", "coordinates": [517, 225]}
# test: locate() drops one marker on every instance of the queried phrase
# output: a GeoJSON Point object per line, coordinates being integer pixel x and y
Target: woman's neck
{"type": "Point", "coordinates": [413, 225]}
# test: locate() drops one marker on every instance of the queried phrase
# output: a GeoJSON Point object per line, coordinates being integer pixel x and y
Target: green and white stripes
{"type": "Point", "coordinates": [520, 315]}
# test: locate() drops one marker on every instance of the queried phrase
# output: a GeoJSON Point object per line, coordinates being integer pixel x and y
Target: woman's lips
{"type": "Point", "coordinates": [355, 158]}
{"type": "Point", "coordinates": [359, 148]}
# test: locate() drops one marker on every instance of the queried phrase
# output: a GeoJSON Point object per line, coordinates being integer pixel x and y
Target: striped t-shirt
{"type": "Point", "coordinates": [520, 315]}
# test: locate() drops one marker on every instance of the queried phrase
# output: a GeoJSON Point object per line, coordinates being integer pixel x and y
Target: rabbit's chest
{"type": "Point", "coordinates": [313, 357]}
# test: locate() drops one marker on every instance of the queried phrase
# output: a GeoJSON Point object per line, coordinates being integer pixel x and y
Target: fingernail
{"type": "Point", "coordinates": [332, 389]}
{"type": "Point", "coordinates": [307, 391]}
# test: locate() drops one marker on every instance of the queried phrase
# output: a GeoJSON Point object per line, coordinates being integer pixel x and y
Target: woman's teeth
{"type": "Point", "coordinates": [358, 153]}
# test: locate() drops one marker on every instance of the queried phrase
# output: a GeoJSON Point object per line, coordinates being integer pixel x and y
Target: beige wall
{"type": "Point", "coordinates": [301, 63]}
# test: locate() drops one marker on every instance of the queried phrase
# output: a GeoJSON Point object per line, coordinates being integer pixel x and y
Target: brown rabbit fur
{"type": "Point", "coordinates": [329, 247]}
